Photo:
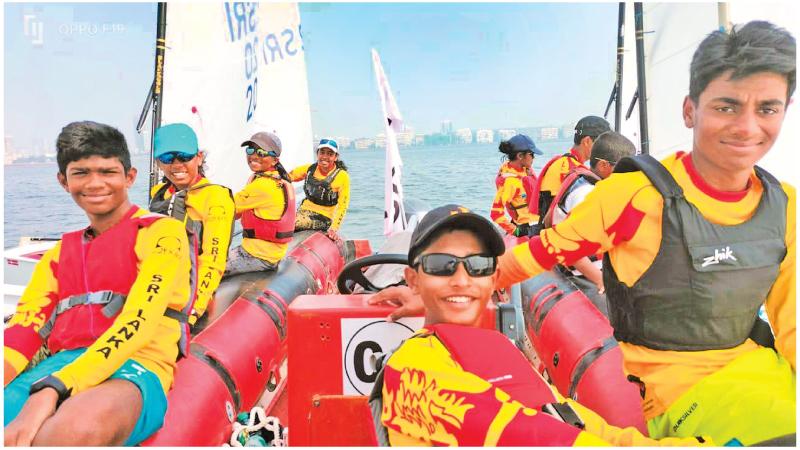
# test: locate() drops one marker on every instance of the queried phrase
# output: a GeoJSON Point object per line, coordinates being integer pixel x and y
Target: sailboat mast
{"type": "Point", "coordinates": [158, 84]}
{"type": "Point", "coordinates": [723, 15]}
{"type": "Point", "coordinates": [638, 15]}
{"type": "Point", "coordinates": [620, 54]}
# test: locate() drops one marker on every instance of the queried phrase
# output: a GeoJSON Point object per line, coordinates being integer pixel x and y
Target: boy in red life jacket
{"type": "Point", "coordinates": [108, 300]}
{"type": "Point", "coordinates": [608, 148]}
{"type": "Point", "coordinates": [266, 207]}
{"type": "Point", "coordinates": [453, 383]}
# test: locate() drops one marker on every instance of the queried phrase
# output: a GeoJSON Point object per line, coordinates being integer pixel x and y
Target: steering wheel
{"type": "Point", "coordinates": [353, 272]}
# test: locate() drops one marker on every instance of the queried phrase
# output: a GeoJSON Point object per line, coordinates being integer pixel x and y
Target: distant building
{"type": "Point", "coordinates": [484, 136]}
{"type": "Point", "coordinates": [344, 142]}
{"type": "Point", "coordinates": [447, 127]}
{"type": "Point", "coordinates": [405, 137]}
{"type": "Point", "coordinates": [506, 134]}
{"type": "Point", "coordinates": [364, 143]}
{"type": "Point", "coordinates": [380, 140]}
{"type": "Point", "coordinates": [419, 139]}
{"type": "Point", "coordinates": [548, 133]}
{"type": "Point", "coordinates": [464, 136]}
{"type": "Point", "coordinates": [568, 132]}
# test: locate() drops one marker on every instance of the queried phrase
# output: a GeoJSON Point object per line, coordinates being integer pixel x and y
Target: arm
{"type": "Point", "coordinates": [781, 301]}
{"type": "Point", "coordinates": [501, 198]}
{"type": "Point", "coordinates": [342, 185]}
{"type": "Point", "coordinates": [610, 215]}
{"type": "Point", "coordinates": [254, 195]}
{"type": "Point", "coordinates": [299, 173]}
{"type": "Point", "coordinates": [21, 334]}
{"type": "Point", "coordinates": [591, 272]}
{"type": "Point", "coordinates": [163, 279]}
{"type": "Point", "coordinates": [217, 223]}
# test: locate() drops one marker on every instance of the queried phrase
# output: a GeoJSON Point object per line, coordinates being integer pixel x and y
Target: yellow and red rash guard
{"type": "Point", "coordinates": [213, 207]}
{"type": "Point", "coordinates": [265, 196]}
{"type": "Point", "coordinates": [553, 175]}
{"type": "Point", "coordinates": [429, 399]}
{"type": "Point", "coordinates": [622, 216]}
{"type": "Point", "coordinates": [511, 194]}
{"type": "Point", "coordinates": [340, 184]}
{"type": "Point", "coordinates": [162, 281]}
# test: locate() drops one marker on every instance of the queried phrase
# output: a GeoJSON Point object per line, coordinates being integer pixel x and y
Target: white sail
{"type": "Point", "coordinates": [672, 32]}
{"type": "Point", "coordinates": [241, 67]}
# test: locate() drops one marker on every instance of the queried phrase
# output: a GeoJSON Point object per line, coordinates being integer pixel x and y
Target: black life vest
{"type": "Point", "coordinates": [320, 191]}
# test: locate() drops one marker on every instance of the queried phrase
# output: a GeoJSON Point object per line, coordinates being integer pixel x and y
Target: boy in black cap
{"type": "Point", "coordinates": [473, 386]}
{"type": "Point", "coordinates": [555, 171]}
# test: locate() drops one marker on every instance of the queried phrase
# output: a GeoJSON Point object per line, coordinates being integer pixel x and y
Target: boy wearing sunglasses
{"type": "Point", "coordinates": [266, 207]}
{"type": "Point", "coordinates": [108, 301]}
{"type": "Point", "coordinates": [206, 209]}
{"type": "Point", "coordinates": [453, 383]}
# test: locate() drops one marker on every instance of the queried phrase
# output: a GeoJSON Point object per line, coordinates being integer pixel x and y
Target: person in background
{"type": "Point", "coordinates": [327, 189]}
{"type": "Point", "coordinates": [266, 207]}
{"type": "Point", "coordinates": [586, 273]}
{"type": "Point", "coordinates": [206, 209]}
{"type": "Point", "coordinates": [453, 383]}
{"type": "Point", "coordinates": [515, 183]}
{"type": "Point", "coordinates": [111, 303]}
{"type": "Point", "coordinates": [555, 171]}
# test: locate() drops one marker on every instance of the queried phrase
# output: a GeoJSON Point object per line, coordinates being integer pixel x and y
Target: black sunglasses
{"type": "Point", "coordinates": [443, 264]}
{"type": "Point", "coordinates": [170, 157]}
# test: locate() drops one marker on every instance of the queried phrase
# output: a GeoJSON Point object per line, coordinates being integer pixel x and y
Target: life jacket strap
{"type": "Point", "coordinates": [113, 302]}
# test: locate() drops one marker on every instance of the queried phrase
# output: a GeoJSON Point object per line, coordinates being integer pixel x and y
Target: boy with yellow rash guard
{"type": "Point", "coordinates": [695, 246]}
{"type": "Point", "coordinates": [327, 189]}
{"type": "Point", "coordinates": [206, 209]}
{"type": "Point", "coordinates": [556, 170]}
{"type": "Point", "coordinates": [266, 207]}
{"type": "Point", "coordinates": [455, 384]}
{"type": "Point", "coordinates": [515, 182]}
{"type": "Point", "coordinates": [109, 300]}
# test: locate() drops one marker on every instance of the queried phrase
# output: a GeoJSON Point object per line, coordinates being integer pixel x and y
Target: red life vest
{"type": "Point", "coordinates": [537, 205]}
{"type": "Point", "coordinates": [94, 279]}
{"type": "Point", "coordinates": [489, 355]}
{"type": "Point", "coordinates": [572, 177]}
{"type": "Point", "coordinates": [279, 231]}
{"type": "Point", "coordinates": [528, 184]}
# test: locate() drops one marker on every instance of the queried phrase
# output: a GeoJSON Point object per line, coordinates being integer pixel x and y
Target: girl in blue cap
{"type": "Point", "coordinates": [515, 181]}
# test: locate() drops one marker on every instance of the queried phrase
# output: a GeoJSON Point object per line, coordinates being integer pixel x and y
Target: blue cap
{"type": "Point", "coordinates": [523, 143]}
{"type": "Point", "coordinates": [175, 137]}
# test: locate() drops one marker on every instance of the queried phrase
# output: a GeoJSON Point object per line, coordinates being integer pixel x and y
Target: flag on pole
{"type": "Point", "coordinates": [394, 217]}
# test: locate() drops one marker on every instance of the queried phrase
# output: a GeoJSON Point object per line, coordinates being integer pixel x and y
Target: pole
{"type": "Point", "coordinates": [620, 56]}
{"type": "Point", "coordinates": [640, 75]}
{"type": "Point", "coordinates": [723, 15]}
{"type": "Point", "coordinates": [158, 84]}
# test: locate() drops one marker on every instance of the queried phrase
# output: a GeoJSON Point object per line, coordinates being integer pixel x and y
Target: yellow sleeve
{"type": "Point", "coordinates": [217, 226]}
{"type": "Point", "coordinates": [258, 194]}
{"type": "Point", "coordinates": [501, 198]}
{"type": "Point", "coordinates": [299, 173]}
{"type": "Point", "coordinates": [163, 280]}
{"type": "Point", "coordinates": [342, 186]}
{"type": "Point", "coordinates": [781, 301]}
{"type": "Point", "coordinates": [155, 189]}
{"type": "Point", "coordinates": [35, 306]}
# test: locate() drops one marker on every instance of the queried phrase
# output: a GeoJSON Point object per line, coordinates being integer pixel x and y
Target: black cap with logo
{"type": "Point", "coordinates": [592, 126]}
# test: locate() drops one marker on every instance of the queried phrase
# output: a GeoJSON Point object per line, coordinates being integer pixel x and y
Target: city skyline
{"type": "Point", "coordinates": [478, 65]}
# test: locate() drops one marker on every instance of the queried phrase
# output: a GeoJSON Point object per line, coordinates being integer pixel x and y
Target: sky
{"type": "Point", "coordinates": [478, 65]}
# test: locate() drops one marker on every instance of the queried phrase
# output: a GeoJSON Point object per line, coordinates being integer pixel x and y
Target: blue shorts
{"type": "Point", "coordinates": [154, 402]}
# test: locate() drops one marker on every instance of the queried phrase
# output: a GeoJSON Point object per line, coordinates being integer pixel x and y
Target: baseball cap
{"type": "Point", "coordinates": [175, 137]}
{"type": "Point", "coordinates": [265, 140]}
{"type": "Point", "coordinates": [522, 143]}
{"type": "Point", "coordinates": [328, 143]}
{"type": "Point", "coordinates": [591, 126]}
{"type": "Point", "coordinates": [451, 215]}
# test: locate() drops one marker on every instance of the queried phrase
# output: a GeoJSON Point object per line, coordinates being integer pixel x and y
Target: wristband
{"type": "Point", "coordinates": [52, 382]}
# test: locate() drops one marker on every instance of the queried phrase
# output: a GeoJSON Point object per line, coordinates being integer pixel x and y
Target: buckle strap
{"type": "Point", "coordinates": [177, 315]}
{"type": "Point", "coordinates": [113, 302]}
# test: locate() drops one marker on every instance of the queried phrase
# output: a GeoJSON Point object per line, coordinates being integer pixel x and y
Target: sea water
{"type": "Point", "coordinates": [36, 205]}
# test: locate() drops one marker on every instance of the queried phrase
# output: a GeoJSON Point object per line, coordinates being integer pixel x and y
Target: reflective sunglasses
{"type": "Point", "coordinates": [170, 157]}
{"type": "Point", "coordinates": [443, 264]}
{"type": "Point", "coordinates": [260, 152]}
{"type": "Point", "coordinates": [329, 142]}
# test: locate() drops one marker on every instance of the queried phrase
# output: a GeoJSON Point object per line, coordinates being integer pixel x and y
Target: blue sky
{"type": "Point", "coordinates": [476, 64]}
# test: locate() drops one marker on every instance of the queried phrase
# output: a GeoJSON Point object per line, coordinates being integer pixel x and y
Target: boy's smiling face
{"type": "Point", "coordinates": [99, 186]}
{"type": "Point", "coordinates": [459, 298]}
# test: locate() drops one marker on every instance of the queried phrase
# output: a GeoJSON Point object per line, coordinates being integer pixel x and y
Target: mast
{"type": "Point", "coordinates": [638, 15]}
{"type": "Point", "coordinates": [158, 84]}
{"type": "Point", "coordinates": [620, 55]}
{"type": "Point", "coordinates": [724, 17]}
